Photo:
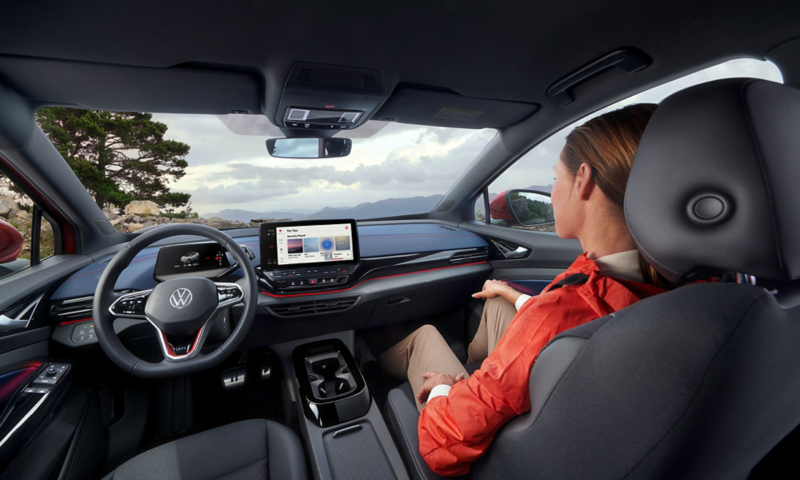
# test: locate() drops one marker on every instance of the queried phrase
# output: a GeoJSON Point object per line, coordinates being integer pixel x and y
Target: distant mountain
{"type": "Point", "coordinates": [389, 207]}
{"type": "Point", "coordinates": [246, 215]}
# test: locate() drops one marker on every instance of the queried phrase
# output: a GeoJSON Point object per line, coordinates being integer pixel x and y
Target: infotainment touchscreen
{"type": "Point", "coordinates": [308, 243]}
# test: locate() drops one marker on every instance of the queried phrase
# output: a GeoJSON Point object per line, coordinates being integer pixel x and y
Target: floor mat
{"type": "Point", "coordinates": [238, 412]}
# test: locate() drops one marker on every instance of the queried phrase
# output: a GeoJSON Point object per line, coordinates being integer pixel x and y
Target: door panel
{"type": "Point", "coordinates": [547, 256]}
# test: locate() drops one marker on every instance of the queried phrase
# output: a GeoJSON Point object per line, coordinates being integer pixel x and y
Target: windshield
{"type": "Point", "coordinates": [208, 166]}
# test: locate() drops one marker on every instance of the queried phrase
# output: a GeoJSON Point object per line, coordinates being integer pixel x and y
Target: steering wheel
{"type": "Point", "coordinates": [181, 310]}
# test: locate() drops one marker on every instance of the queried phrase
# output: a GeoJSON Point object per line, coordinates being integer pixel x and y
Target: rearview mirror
{"type": "Point", "coordinates": [522, 208]}
{"type": "Point", "coordinates": [309, 147]}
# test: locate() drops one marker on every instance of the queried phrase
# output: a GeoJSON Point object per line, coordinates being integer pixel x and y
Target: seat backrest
{"type": "Point", "coordinates": [703, 381]}
{"type": "Point", "coordinates": [700, 382]}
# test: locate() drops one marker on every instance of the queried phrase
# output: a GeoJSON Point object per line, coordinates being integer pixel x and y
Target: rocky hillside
{"type": "Point", "coordinates": [138, 215]}
{"type": "Point", "coordinates": [143, 214]}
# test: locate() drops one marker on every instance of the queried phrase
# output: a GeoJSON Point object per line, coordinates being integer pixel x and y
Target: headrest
{"type": "Point", "coordinates": [715, 184]}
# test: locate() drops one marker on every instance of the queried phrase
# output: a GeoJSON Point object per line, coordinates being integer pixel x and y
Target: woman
{"type": "Point", "coordinates": [459, 415]}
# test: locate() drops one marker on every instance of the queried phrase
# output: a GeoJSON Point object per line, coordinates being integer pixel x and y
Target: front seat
{"type": "Point", "coordinates": [248, 450]}
{"type": "Point", "coordinates": [702, 381]}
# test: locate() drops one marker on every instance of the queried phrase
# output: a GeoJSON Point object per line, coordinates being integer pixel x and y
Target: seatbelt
{"type": "Point", "coordinates": [574, 279]}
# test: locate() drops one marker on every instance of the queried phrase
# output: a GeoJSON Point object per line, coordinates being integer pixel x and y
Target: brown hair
{"type": "Point", "coordinates": [608, 144]}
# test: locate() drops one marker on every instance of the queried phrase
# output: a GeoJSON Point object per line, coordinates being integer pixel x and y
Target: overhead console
{"type": "Point", "coordinates": [328, 97]}
{"type": "Point", "coordinates": [308, 254]}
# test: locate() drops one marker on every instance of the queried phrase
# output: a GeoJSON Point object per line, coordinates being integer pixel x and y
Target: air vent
{"type": "Point", "coordinates": [71, 309]}
{"type": "Point", "coordinates": [19, 315]}
{"type": "Point", "coordinates": [468, 256]}
{"type": "Point", "coordinates": [313, 307]}
{"type": "Point", "coordinates": [369, 81]}
{"type": "Point", "coordinates": [452, 229]}
{"type": "Point", "coordinates": [510, 250]}
{"type": "Point", "coordinates": [304, 75]}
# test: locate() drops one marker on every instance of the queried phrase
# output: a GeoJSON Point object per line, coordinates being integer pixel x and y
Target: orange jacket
{"type": "Point", "coordinates": [456, 430]}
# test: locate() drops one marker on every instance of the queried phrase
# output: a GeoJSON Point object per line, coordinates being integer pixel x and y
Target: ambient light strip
{"type": "Point", "coordinates": [369, 280]}
{"type": "Point", "coordinates": [80, 320]}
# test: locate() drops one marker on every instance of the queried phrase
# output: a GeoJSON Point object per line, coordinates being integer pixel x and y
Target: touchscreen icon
{"type": "Point", "coordinates": [343, 243]}
{"type": "Point", "coordinates": [326, 244]}
{"type": "Point", "coordinates": [295, 245]}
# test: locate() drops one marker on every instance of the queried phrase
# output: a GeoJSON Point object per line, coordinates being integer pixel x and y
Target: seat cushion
{"type": "Point", "coordinates": [403, 417]}
{"type": "Point", "coordinates": [248, 450]}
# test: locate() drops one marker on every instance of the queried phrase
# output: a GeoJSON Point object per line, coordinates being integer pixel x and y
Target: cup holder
{"type": "Point", "coordinates": [331, 387]}
{"type": "Point", "coordinates": [329, 375]}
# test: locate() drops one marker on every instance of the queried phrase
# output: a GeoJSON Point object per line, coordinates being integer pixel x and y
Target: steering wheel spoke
{"type": "Point", "coordinates": [130, 305]}
{"type": "Point", "coordinates": [178, 349]}
{"type": "Point", "coordinates": [229, 294]}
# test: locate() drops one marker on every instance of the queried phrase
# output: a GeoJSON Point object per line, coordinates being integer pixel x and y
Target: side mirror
{"type": "Point", "coordinates": [522, 208]}
{"type": "Point", "coordinates": [10, 242]}
{"type": "Point", "coordinates": [309, 147]}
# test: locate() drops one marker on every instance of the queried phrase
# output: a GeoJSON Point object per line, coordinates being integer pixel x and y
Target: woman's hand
{"type": "Point", "coordinates": [493, 288]}
{"type": "Point", "coordinates": [434, 379]}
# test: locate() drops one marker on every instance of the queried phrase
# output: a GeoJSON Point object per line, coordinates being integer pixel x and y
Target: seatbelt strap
{"type": "Point", "coordinates": [574, 279]}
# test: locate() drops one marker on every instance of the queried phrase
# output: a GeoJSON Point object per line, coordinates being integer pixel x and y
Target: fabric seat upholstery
{"type": "Point", "coordinates": [248, 450]}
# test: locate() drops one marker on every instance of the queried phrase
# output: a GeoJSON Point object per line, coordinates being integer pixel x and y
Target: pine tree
{"type": "Point", "coordinates": [119, 157]}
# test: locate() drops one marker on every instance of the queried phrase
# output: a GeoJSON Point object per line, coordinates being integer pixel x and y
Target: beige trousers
{"type": "Point", "coordinates": [425, 350]}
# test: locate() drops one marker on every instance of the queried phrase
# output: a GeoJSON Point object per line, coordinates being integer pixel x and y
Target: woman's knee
{"type": "Point", "coordinates": [427, 333]}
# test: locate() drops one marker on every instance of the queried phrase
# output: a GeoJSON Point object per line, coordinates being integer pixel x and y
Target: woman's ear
{"type": "Point", "coordinates": [584, 181]}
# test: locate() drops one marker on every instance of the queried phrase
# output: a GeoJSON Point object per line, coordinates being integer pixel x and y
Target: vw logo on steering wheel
{"type": "Point", "coordinates": [180, 298]}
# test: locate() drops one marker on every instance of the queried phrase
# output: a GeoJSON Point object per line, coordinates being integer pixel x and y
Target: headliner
{"type": "Point", "coordinates": [502, 52]}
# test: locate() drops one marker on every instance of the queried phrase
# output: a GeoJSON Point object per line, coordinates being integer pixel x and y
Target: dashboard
{"type": "Point", "coordinates": [375, 275]}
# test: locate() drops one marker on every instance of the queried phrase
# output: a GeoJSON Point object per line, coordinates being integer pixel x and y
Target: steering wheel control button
{"type": "Point", "coordinates": [130, 305]}
{"type": "Point", "coordinates": [229, 293]}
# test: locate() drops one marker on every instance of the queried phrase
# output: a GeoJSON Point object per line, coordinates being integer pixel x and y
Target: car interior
{"type": "Point", "coordinates": [183, 350]}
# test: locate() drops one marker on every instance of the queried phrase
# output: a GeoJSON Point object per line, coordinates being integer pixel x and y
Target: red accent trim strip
{"type": "Point", "coordinates": [169, 347]}
{"type": "Point", "coordinates": [369, 280]}
{"type": "Point", "coordinates": [76, 321]}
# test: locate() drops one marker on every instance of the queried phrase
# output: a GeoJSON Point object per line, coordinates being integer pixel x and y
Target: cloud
{"type": "Point", "coordinates": [399, 161]}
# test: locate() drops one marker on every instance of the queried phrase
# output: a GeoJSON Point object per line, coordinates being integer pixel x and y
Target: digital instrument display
{"type": "Point", "coordinates": [314, 242]}
{"type": "Point", "coordinates": [190, 259]}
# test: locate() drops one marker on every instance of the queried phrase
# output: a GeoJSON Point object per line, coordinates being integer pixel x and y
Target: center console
{"type": "Point", "coordinates": [332, 389]}
{"type": "Point", "coordinates": [346, 435]}
{"type": "Point", "coordinates": [310, 254]}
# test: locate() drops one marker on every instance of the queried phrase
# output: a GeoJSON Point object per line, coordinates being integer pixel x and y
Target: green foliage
{"type": "Point", "coordinates": [119, 157]}
{"type": "Point", "coordinates": [530, 211]}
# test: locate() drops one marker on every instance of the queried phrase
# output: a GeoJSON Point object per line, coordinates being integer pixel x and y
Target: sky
{"type": "Point", "coordinates": [230, 171]}
{"type": "Point", "coordinates": [536, 166]}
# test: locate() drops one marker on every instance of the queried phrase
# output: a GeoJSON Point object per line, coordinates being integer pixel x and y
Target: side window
{"type": "Point", "coordinates": [534, 170]}
{"type": "Point", "coordinates": [19, 246]}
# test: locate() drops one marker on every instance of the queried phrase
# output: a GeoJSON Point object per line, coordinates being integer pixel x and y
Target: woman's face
{"type": "Point", "coordinates": [561, 197]}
